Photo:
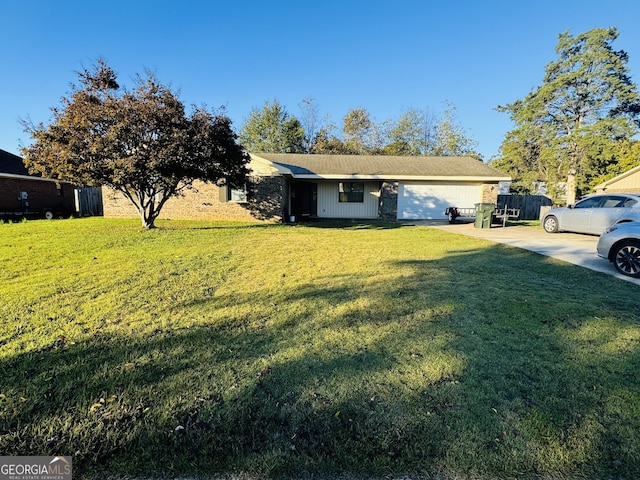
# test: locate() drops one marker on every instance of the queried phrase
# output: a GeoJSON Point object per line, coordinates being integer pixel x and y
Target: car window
{"type": "Point", "coordinates": [613, 201]}
{"type": "Point", "coordinates": [590, 202]}
{"type": "Point", "coordinates": [629, 202]}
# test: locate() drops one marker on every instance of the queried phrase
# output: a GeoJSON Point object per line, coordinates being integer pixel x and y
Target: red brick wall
{"type": "Point", "coordinates": [41, 194]}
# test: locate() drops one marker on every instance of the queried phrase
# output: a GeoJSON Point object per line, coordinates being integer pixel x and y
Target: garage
{"type": "Point", "coordinates": [428, 200]}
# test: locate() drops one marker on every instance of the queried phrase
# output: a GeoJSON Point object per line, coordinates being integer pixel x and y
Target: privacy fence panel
{"type": "Point", "coordinates": [89, 201]}
{"type": "Point", "coordinates": [529, 205]}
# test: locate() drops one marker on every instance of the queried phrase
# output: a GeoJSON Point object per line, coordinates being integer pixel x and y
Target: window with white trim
{"type": "Point", "coordinates": [351, 192]}
{"type": "Point", "coordinates": [237, 195]}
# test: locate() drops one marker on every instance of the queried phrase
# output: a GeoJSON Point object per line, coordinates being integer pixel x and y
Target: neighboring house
{"type": "Point", "coordinates": [23, 194]}
{"type": "Point", "coordinates": [298, 186]}
{"type": "Point", "coordinates": [627, 182]}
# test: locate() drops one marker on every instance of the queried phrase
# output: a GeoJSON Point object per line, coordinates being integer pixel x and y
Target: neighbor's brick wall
{"type": "Point", "coordinates": [41, 194]}
{"type": "Point", "coordinates": [264, 203]}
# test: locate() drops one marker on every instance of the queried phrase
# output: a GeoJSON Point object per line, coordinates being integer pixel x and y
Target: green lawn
{"type": "Point", "coordinates": [271, 351]}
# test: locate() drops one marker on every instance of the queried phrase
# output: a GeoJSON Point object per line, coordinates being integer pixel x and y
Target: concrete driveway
{"type": "Point", "coordinates": [570, 247]}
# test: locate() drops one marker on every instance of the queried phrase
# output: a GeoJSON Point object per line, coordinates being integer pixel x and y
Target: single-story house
{"type": "Point", "coordinates": [23, 194]}
{"type": "Point", "coordinates": [627, 182]}
{"type": "Point", "coordinates": [284, 187]}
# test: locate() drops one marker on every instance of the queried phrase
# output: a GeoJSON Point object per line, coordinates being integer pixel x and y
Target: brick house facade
{"type": "Point", "coordinates": [284, 187]}
{"type": "Point", "coordinates": [205, 201]}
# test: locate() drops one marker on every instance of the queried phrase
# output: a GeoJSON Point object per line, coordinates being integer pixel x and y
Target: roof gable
{"type": "Point", "coordinates": [12, 164]}
{"type": "Point", "coordinates": [617, 178]}
{"type": "Point", "coordinates": [383, 167]}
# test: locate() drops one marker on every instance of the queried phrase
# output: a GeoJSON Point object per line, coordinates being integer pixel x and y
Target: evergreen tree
{"type": "Point", "coordinates": [574, 121]}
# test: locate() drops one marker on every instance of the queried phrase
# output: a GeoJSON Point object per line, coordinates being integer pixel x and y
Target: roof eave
{"type": "Point", "coordinates": [278, 167]}
{"type": "Point", "coordinates": [417, 178]}
{"type": "Point", "coordinates": [29, 177]}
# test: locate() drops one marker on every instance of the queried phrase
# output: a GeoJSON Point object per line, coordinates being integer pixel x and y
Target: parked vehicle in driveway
{"type": "Point", "coordinates": [620, 244]}
{"type": "Point", "coordinates": [593, 214]}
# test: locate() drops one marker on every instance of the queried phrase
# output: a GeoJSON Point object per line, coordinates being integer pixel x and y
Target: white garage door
{"type": "Point", "coordinates": [429, 200]}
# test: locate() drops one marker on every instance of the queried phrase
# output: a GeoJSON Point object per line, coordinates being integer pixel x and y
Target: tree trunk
{"type": "Point", "coordinates": [148, 219]}
{"type": "Point", "coordinates": [571, 187]}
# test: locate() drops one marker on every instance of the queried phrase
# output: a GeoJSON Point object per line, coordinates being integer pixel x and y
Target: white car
{"type": "Point", "coordinates": [593, 214]}
{"type": "Point", "coordinates": [620, 244]}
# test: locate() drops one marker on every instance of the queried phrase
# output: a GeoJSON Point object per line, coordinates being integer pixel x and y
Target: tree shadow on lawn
{"type": "Point", "coordinates": [436, 371]}
{"type": "Point", "coordinates": [351, 224]}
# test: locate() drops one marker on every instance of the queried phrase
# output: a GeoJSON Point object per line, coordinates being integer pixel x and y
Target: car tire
{"type": "Point", "coordinates": [550, 224]}
{"type": "Point", "coordinates": [48, 214]}
{"type": "Point", "coordinates": [626, 258]}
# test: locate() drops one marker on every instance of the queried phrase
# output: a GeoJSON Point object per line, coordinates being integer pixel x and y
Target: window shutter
{"type": "Point", "coordinates": [222, 194]}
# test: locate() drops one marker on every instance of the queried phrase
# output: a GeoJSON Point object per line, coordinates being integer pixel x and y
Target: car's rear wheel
{"type": "Point", "coordinates": [550, 224]}
{"type": "Point", "coordinates": [626, 258]}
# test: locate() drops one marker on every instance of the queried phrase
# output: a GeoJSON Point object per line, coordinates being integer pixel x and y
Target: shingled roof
{"type": "Point", "coordinates": [11, 164]}
{"type": "Point", "coordinates": [383, 167]}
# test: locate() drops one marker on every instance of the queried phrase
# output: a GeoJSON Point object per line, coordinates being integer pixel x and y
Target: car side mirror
{"type": "Point", "coordinates": [571, 205]}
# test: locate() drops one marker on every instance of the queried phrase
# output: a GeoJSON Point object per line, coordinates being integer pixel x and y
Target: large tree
{"type": "Point", "coordinates": [627, 156]}
{"type": "Point", "coordinates": [311, 122]}
{"type": "Point", "coordinates": [520, 156]}
{"type": "Point", "coordinates": [139, 142]}
{"type": "Point", "coordinates": [450, 138]}
{"type": "Point", "coordinates": [411, 134]}
{"type": "Point", "coordinates": [585, 106]}
{"type": "Point", "coordinates": [416, 132]}
{"type": "Point", "coordinates": [421, 132]}
{"type": "Point", "coordinates": [272, 129]}
{"type": "Point", "coordinates": [361, 135]}
{"type": "Point", "coordinates": [328, 143]}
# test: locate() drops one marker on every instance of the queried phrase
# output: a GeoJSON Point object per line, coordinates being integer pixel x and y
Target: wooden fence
{"type": "Point", "coordinates": [89, 201]}
{"type": "Point", "coordinates": [529, 205]}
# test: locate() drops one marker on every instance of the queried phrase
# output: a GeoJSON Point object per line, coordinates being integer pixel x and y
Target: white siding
{"type": "Point", "coordinates": [330, 207]}
{"type": "Point", "coordinates": [423, 200]}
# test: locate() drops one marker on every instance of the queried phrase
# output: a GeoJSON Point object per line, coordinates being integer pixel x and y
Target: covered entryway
{"type": "Point", "coordinates": [428, 200]}
{"type": "Point", "coordinates": [304, 199]}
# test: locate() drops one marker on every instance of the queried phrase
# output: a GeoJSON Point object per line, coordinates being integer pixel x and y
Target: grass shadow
{"type": "Point", "coordinates": [426, 370]}
{"type": "Point", "coordinates": [350, 224]}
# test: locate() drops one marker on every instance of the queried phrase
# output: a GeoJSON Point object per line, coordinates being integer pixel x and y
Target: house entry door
{"type": "Point", "coordinates": [304, 199]}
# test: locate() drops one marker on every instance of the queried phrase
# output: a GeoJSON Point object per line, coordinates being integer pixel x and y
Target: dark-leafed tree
{"type": "Point", "coordinates": [140, 142]}
{"type": "Point", "coordinates": [575, 121]}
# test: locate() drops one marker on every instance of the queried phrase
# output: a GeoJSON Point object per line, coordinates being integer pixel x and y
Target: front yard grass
{"type": "Point", "coordinates": [275, 351]}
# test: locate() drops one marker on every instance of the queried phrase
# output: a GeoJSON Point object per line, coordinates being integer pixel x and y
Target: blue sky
{"type": "Point", "coordinates": [385, 56]}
